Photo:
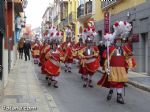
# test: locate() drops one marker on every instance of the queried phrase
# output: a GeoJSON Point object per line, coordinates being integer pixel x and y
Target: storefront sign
{"type": "Point", "coordinates": [135, 38]}
{"type": "Point", "coordinates": [106, 22]}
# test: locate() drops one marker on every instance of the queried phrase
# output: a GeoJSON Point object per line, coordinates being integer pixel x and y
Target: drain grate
{"type": "Point", "coordinates": [30, 100]}
{"type": "Point", "coordinates": [13, 96]}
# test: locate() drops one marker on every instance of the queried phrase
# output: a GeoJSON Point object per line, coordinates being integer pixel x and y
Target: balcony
{"type": "Point", "coordinates": [55, 19]}
{"type": "Point", "coordinates": [19, 5]}
{"type": "Point", "coordinates": [65, 21]}
{"type": "Point", "coordinates": [63, 15]}
{"type": "Point", "coordinates": [63, 10]}
{"type": "Point", "coordinates": [88, 7]}
{"type": "Point", "coordinates": [80, 10]}
{"type": "Point", "coordinates": [107, 4]}
{"type": "Point", "coordinates": [61, 25]}
{"type": "Point", "coordinates": [72, 17]}
{"type": "Point", "coordinates": [85, 11]}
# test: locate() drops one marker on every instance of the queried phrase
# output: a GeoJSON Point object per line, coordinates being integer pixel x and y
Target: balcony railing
{"type": "Point", "coordinates": [63, 15]}
{"type": "Point", "coordinates": [88, 7]}
{"type": "Point", "coordinates": [72, 17]}
{"type": "Point", "coordinates": [56, 18]}
{"type": "Point", "coordinates": [80, 10]}
{"type": "Point", "coordinates": [63, 10]}
{"type": "Point", "coordinates": [65, 21]}
{"type": "Point", "coordinates": [107, 4]}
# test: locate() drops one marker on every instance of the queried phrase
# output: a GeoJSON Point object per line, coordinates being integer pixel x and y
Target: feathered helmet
{"type": "Point", "coordinates": [108, 39]}
{"type": "Point", "coordinates": [121, 29]}
{"type": "Point", "coordinates": [55, 35]}
{"type": "Point", "coordinates": [89, 34]}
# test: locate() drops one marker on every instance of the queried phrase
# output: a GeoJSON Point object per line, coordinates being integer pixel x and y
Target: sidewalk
{"type": "Point", "coordinates": [139, 80]}
{"type": "Point", "coordinates": [24, 90]}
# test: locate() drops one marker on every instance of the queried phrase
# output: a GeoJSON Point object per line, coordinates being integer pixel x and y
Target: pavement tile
{"type": "Point", "coordinates": [24, 90]}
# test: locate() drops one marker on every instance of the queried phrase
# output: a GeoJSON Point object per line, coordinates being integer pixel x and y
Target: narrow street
{"type": "Point", "coordinates": [72, 97]}
{"type": "Point", "coordinates": [84, 35]}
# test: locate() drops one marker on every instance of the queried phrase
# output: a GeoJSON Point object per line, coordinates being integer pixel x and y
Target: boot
{"type": "Point", "coordinates": [69, 69]}
{"type": "Point", "coordinates": [49, 80]}
{"type": "Point", "coordinates": [46, 77]}
{"type": "Point", "coordinates": [120, 98]}
{"type": "Point", "coordinates": [65, 68]}
{"type": "Point", "coordinates": [109, 96]}
{"type": "Point", "coordinates": [85, 82]}
{"type": "Point", "coordinates": [90, 84]}
{"type": "Point", "coordinates": [82, 77]}
{"type": "Point", "coordinates": [55, 84]}
{"type": "Point", "coordinates": [84, 85]}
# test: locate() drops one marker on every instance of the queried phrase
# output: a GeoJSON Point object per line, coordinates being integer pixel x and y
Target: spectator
{"type": "Point", "coordinates": [27, 48]}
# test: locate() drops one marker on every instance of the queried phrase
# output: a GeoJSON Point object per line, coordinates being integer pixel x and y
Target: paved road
{"type": "Point", "coordinates": [72, 97]}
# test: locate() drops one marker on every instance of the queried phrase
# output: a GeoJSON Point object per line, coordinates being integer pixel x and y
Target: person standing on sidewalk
{"type": "Point", "coordinates": [26, 49]}
{"type": "Point", "coordinates": [20, 48]}
{"type": "Point", "coordinates": [115, 65]}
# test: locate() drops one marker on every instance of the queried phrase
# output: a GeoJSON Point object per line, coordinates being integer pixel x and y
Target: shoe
{"type": "Point", "coordinates": [49, 83]}
{"type": "Point", "coordinates": [120, 99]}
{"type": "Point", "coordinates": [46, 78]}
{"type": "Point", "coordinates": [84, 85]}
{"type": "Point", "coordinates": [55, 86]}
{"type": "Point", "coordinates": [82, 77]}
{"type": "Point", "coordinates": [109, 96]}
{"type": "Point", "coordinates": [65, 70]}
{"type": "Point", "coordinates": [90, 84]}
{"type": "Point", "coordinates": [69, 71]}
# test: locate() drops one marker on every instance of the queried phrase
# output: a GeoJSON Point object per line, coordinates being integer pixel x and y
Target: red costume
{"type": "Point", "coordinates": [89, 63]}
{"type": "Point", "coordinates": [36, 50]}
{"type": "Point", "coordinates": [44, 57]}
{"type": "Point", "coordinates": [52, 65]}
{"type": "Point", "coordinates": [118, 69]}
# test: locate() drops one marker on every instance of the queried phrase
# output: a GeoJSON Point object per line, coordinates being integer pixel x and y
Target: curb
{"type": "Point", "coordinates": [139, 85]}
{"type": "Point", "coordinates": [136, 84]}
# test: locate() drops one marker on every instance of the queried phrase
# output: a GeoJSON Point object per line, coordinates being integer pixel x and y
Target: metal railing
{"type": "Point", "coordinates": [63, 15]}
{"type": "Point", "coordinates": [106, 4]}
{"type": "Point", "coordinates": [65, 21]}
{"type": "Point", "coordinates": [56, 18]}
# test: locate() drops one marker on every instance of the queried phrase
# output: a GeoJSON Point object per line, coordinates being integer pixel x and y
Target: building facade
{"type": "Point", "coordinates": [137, 13]}
{"type": "Point", "coordinates": [8, 46]}
{"type": "Point", "coordinates": [85, 13]}
{"type": "Point", "coordinates": [63, 14]}
{"type": "Point", "coordinates": [76, 14]}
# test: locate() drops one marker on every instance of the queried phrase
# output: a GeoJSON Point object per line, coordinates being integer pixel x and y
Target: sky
{"type": "Point", "coordinates": [35, 10]}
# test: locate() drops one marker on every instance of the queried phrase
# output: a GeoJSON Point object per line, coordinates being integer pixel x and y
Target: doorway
{"type": "Point", "coordinates": [144, 58]}
{"type": "Point", "coordinates": [1, 56]}
{"type": "Point", "coordinates": [100, 35]}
